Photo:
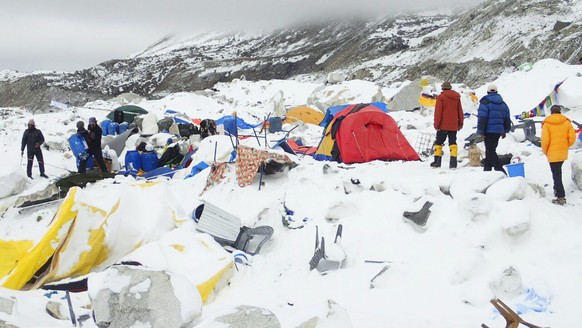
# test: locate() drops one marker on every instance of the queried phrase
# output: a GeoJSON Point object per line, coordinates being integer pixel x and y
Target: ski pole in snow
{"type": "Point", "coordinates": [71, 312]}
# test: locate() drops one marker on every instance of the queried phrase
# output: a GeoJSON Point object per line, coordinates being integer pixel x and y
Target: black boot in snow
{"type": "Point", "coordinates": [437, 161]}
{"type": "Point", "coordinates": [453, 163]}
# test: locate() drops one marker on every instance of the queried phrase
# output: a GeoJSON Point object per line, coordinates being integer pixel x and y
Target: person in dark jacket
{"type": "Point", "coordinates": [85, 134]}
{"type": "Point", "coordinates": [94, 148]}
{"type": "Point", "coordinates": [82, 131]}
{"type": "Point", "coordinates": [493, 123]}
{"type": "Point", "coordinates": [448, 119]}
{"type": "Point", "coordinates": [32, 139]}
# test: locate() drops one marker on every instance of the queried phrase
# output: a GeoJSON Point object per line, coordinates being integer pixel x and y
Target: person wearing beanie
{"type": "Point", "coordinates": [493, 123]}
{"type": "Point", "coordinates": [82, 131]}
{"type": "Point", "coordinates": [94, 147]}
{"type": "Point", "coordinates": [448, 119]}
{"type": "Point", "coordinates": [557, 136]}
{"type": "Point", "coordinates": [32, 139]}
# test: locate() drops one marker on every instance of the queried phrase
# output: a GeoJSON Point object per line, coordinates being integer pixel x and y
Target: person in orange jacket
{"type": "Point", "coordinates": [448, 119]}
{"type": "Point", "coordinates": [557, 136]}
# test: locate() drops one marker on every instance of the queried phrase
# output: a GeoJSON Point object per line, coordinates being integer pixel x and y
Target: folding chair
{"type": "Point", "coordinates": [512, 319]}
{"type": "Point", "coordinates": [228, 231]}
{"type": "Point", "coordinates": [322, 261]}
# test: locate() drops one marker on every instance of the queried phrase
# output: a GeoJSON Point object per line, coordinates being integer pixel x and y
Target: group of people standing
{"type": "Point", "coordinates": [93, 139]}
{"type": "Point", "coordinates": [493, 123]}
{"type": "Point", "coordinates": [32, 139]}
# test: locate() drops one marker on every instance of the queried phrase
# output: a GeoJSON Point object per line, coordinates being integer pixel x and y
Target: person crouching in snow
{"type": "Point", "coordinates": [448, 119]}
{"type": "Point", "coordinates": [557, 136]}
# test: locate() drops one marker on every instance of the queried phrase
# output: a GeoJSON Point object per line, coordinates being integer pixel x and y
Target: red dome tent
{"type": "Point", "coordinates": [364, 133]}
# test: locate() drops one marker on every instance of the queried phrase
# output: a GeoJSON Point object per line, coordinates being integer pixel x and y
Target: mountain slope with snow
{"type": "Point", "coordinates": [472, 47]}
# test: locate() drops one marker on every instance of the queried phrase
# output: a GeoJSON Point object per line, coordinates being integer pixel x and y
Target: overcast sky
{"type": "Point", "coordinates": [77, 34]}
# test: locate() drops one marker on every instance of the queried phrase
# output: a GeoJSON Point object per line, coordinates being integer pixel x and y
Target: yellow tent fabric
{"type": "Point", "coordinates": [305, 114]}
{"type": "Point", "coordinates": [12, 251]}
{"type": "Point", "coordinates": [40, 253]}
{"type": "Point", "coordinates": [326, 145]}
{"type": "Point", "coordinates": [427, 101]}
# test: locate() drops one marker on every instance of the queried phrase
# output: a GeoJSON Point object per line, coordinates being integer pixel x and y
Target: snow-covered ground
{"type": "Point", "coordinates": [509, 242]}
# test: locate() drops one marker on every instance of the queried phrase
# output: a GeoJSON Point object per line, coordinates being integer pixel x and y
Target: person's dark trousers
{"type": "Point", "coordinates": [99, 159]}
{"type": "Point", "coordinates": [556, 168]}
{"type": "Point", "coordinates": [83, 165]}
{"type": "Point", "coordinates": [491, 142]}
{"type": "Point", "coordinates": [30, 157]}
{"type": "Point", "coordinates": [442, 135]}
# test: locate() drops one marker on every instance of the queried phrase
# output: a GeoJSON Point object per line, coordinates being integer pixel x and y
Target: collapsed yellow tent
{"type": "Point", "coordinates": [305, 114]}
{"type": "Point", "coordinates": [84, 238]}
{"type": "Point", "coordinates": [325, 146]}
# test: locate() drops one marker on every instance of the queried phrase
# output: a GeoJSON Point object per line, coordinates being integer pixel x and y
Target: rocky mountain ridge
{"type": "Point", "coordinates": [473, 47]}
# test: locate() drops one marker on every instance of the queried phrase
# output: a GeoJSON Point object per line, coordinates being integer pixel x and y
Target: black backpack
{"type": "Point", "coordinates": [187, 130]}
{"type": "Point", "coordinates": [207, 128]}
{"type": "Point", "coordinates": [171, 156]}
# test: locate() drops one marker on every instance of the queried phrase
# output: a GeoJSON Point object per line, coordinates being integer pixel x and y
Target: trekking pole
{"type": "Point", "coordinates": [71, 312]}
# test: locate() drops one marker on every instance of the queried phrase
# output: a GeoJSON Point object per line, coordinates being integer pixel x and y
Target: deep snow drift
{"type": "Point", "coordinates": [487, 236]}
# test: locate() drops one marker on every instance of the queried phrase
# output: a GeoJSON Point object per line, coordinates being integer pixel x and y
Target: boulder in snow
{"type": "Point", "coordinates": [12, 183]}
{"type": "Point", "coordinates": [479, 182]}
{"type": "Point", "coordinates": [333, 315]}
{"type": "Point", "coordinates": [55, 310]}
{"type": "Point", "coordinates": [508, 285]}
{"type": "Point", "coordinates": [350, 92]}
{"type": "Point", "coordinates": [336, 77]}
{"type": "Point", "coordinates": [6, 306]}
{"type": "Point", "coordinates": [509, 189]}
{"type": "Point", "coordinates": [249, 316]}
{"type": "Point", "coordinates": [514, 217]}
{"type": "Point", "coordinates": [476, 206]}
{"type": "Point", "coordinates": [122, 296]}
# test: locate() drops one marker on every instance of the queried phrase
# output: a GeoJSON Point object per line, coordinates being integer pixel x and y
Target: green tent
{"type": "Point", "coordinates": [129, 112]}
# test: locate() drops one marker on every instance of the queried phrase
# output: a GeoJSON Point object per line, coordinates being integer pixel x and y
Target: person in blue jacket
{"type": "Point", "coordinates": [493, 122]}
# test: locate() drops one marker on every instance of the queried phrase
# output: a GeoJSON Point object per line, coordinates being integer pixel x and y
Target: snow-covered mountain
{"type": "Point", "coordinates": [471, 47]}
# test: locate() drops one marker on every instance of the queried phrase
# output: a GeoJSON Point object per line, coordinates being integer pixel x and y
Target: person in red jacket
{"type": "Point", "coordinates": [448, 119]}
{"type": "Point", "coordinates": [557, 136]}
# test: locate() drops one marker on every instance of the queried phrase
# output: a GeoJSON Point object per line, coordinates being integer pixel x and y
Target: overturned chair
{"type": "Point", "coordinates": [512, 319]}
{"type": "Point", "coordinates": [228, 230]}
{"type": "Point", "coordinates": [330, 258]}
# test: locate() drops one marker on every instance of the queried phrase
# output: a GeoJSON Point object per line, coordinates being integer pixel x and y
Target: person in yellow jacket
{"type": "Point", "coordinates": [557, 136]}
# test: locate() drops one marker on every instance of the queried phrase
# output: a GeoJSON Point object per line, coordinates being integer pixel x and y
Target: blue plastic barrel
{"type": "Point", "coordinates": [230, 125]}
{"type": "Point", "coordinates": [275, 124]}
{"type": "Point", "coordinates": [89, 166]}
{"type": "Point", "coordinates": [132, 160]}
{"type": "Point", "coordinates": [78, 146]}
{"type": "Point", "coordinates": [113, 128]}
{"type": "Point", "coordinates": [123, 127]}
{"type": "Point", "coordinates": [105, 127]}
{"type": "Point", "coordinates": [149, 161]}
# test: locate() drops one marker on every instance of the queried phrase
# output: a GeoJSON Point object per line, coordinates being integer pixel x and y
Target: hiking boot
{"type": "Point", "coordinates": [559, 201]}
{"type": "Point", "coordinates": [437, 161]}
{"type": "Point", "coordinates": [43, 175]}
{"type": "Point", "coordinates": [30, 177]}
{"type": "Point", "coordinates": [453, 163]}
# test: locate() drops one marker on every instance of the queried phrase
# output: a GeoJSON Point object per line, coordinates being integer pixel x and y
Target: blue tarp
{"type": "Point", "coordinates": [331, 111]}
{"type": "Point", "coordinates": [239, 122]}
